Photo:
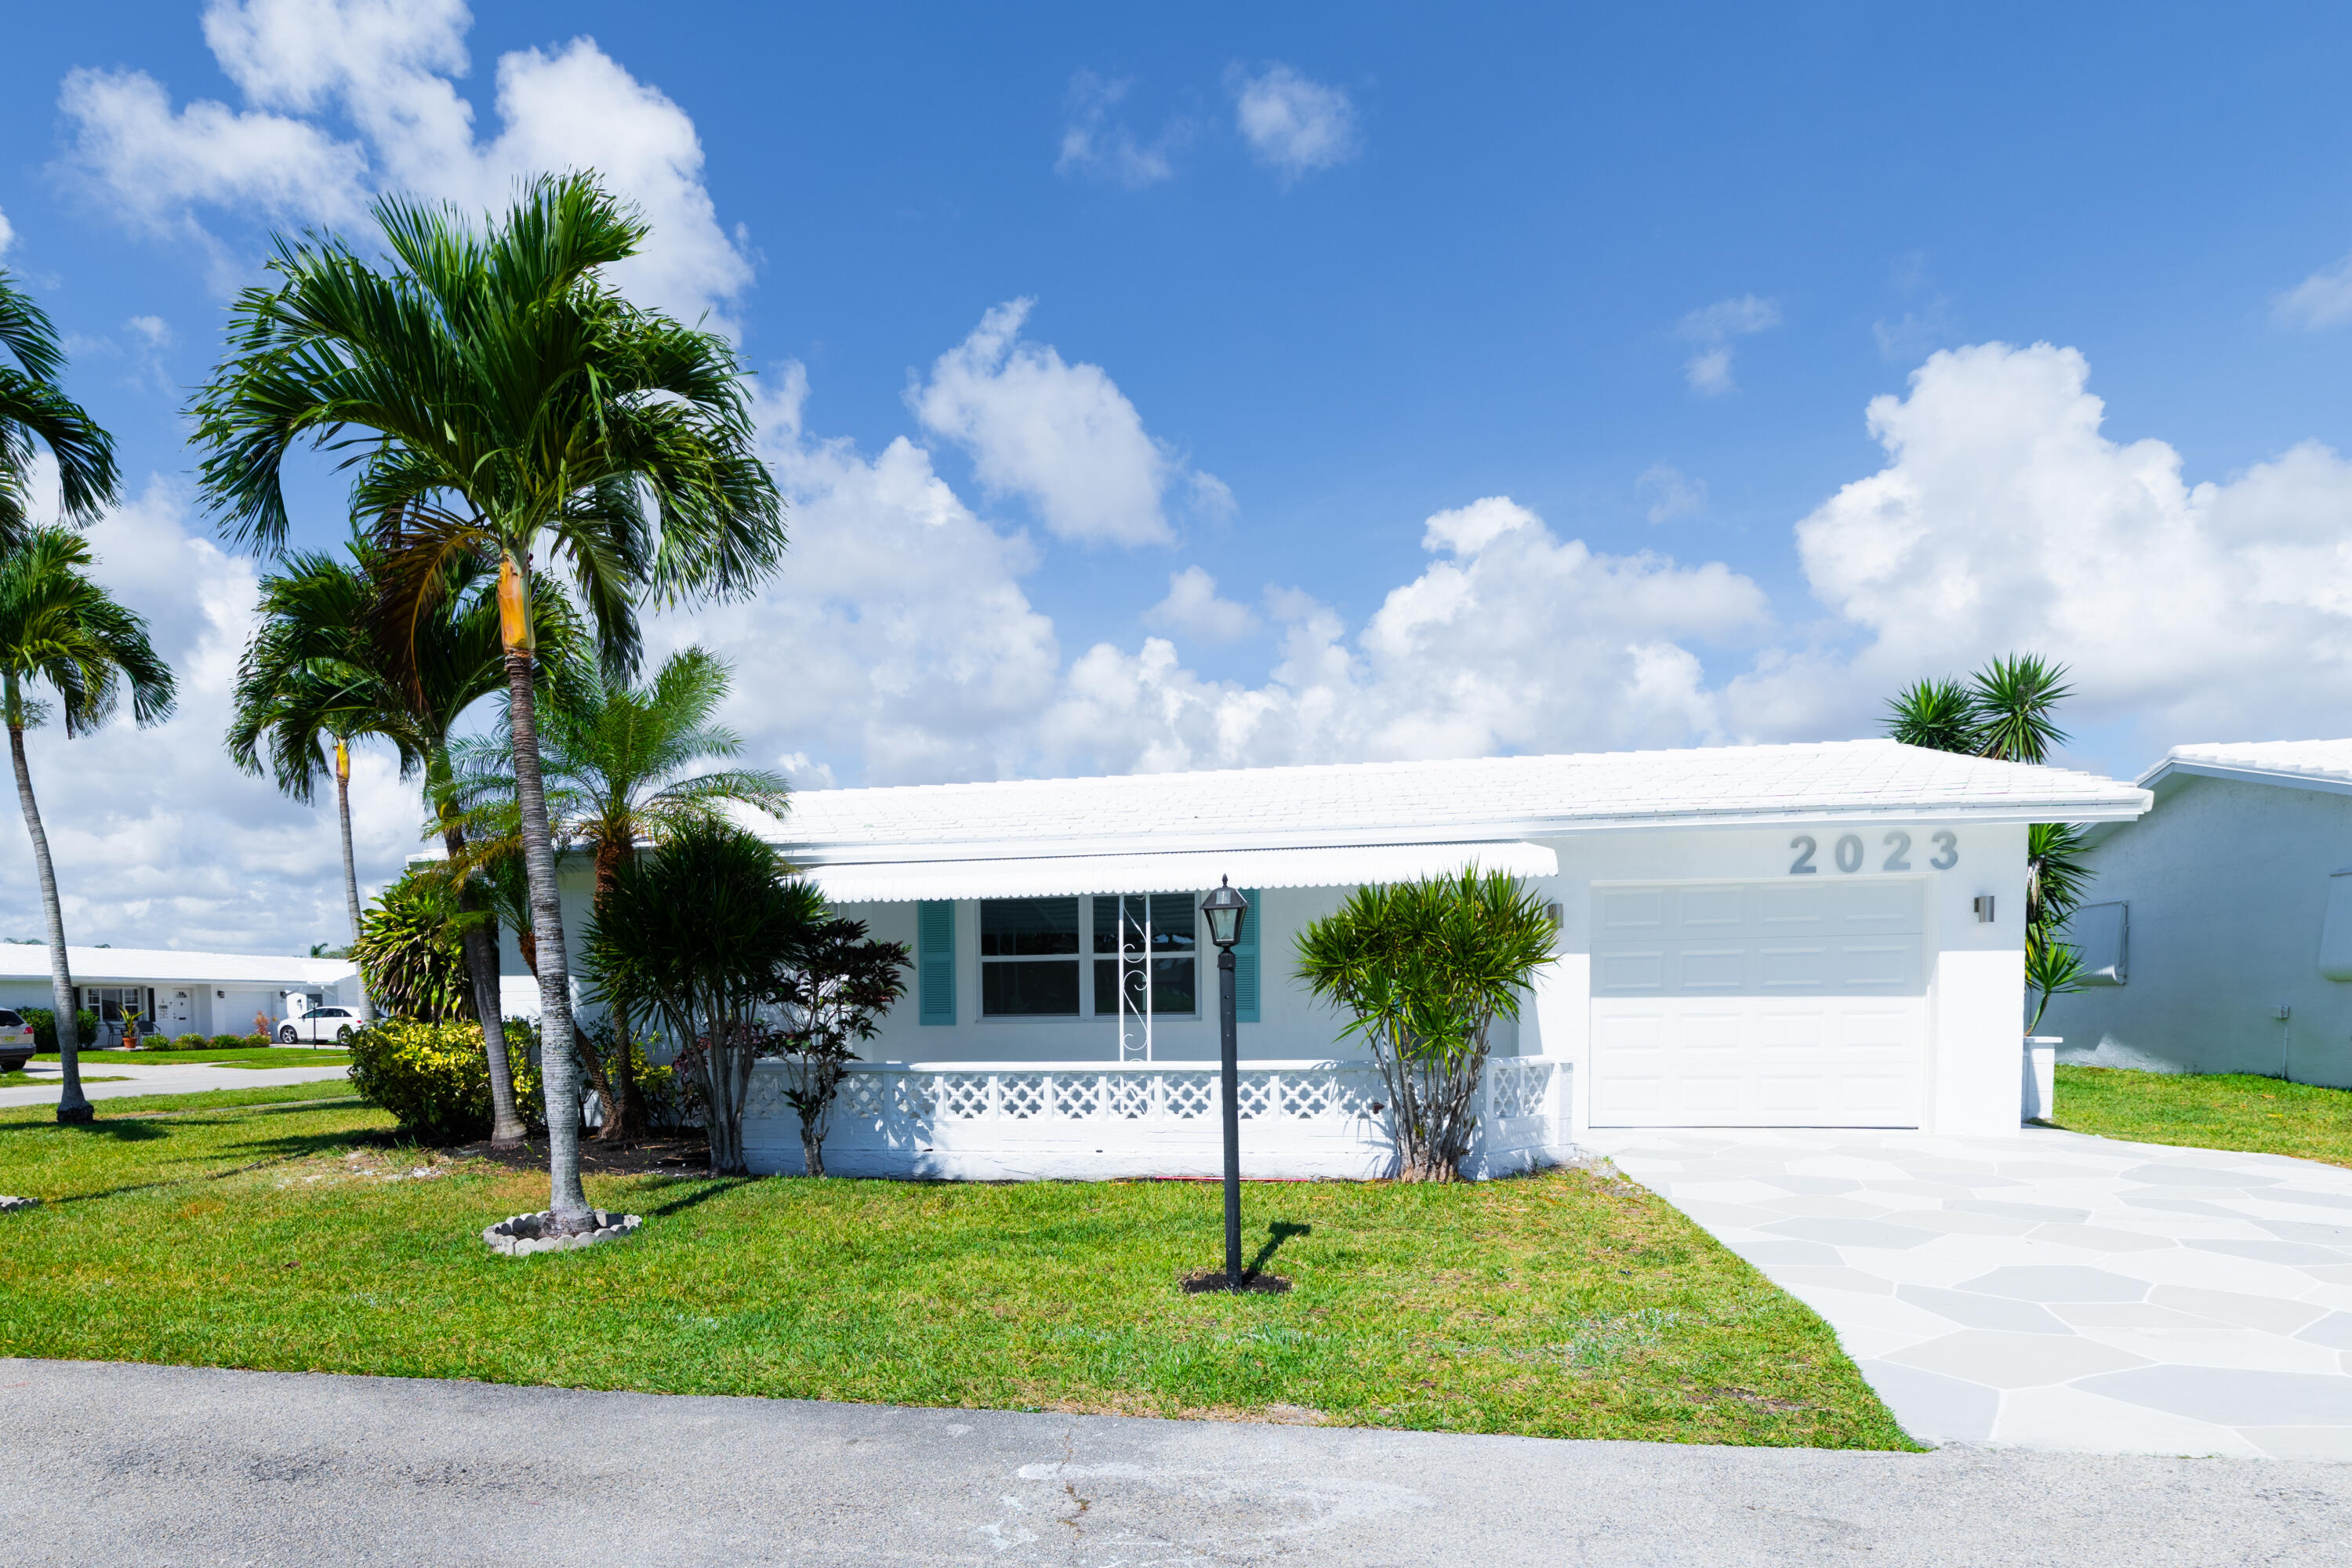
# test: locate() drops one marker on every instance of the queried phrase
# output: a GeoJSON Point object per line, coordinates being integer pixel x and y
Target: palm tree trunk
{"type": "Point", "coordinates": [351, 868]}
{"type": "Point", "coordinates": [567, 1202]}
{"type": "Point", "coordinates": [481, 942]}
{"type": "Point", "coordinates": [73, 1105]}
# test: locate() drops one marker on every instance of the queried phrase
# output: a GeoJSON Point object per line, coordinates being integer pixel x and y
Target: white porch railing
{"type": "Point", "coordinates": [1000, 1120]}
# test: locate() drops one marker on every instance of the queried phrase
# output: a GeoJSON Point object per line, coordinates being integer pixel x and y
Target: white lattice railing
{"type": "Point", "coordinates": [883, 1097]}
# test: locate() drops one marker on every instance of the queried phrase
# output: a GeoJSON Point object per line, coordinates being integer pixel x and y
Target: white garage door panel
{"type": "Point", "coordinates": [1760, 1004]}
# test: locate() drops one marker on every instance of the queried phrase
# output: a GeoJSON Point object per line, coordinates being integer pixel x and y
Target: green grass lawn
{"type": "Point", "coordinates": [26, 1080]}
{"type": "Point", "coordinates": [2209, 1110]}
{"type": "Point", "coordinates": [281, 1228]}
{"type": "Point", "coordinates": [239, 1056]}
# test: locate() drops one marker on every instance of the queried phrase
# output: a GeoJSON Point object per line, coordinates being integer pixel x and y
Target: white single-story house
{"type": "Point", "coordinates": [1800, 935]}
{"type": "Point", "coordinates": [2217, 930]}
{"type": "Point", "coordinates": [181, 993]}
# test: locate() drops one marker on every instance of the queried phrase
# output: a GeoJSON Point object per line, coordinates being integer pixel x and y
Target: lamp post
{"type": "Point", "coordinates": [1225, 908]}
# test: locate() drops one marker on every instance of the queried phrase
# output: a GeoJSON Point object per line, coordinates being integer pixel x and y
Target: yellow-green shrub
{"type": "Point", "coordinates": [434, 1079]}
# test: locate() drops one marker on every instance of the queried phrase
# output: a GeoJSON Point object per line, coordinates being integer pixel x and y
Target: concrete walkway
{"type": "Point", "coordinates": [177, 1465]}
{"type": "Point", "coordinates": [158, 1077]}
{"type": "Point", "coordinates": [2049, 1290]}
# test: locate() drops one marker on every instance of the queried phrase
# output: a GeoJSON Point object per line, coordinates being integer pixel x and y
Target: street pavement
{"type": "Point", "coordinates": [188, 1465]}
{"type": "Point", "coordinates": [159, 1077]}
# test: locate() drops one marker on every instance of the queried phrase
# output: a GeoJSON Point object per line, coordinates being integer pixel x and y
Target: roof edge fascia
{"type": "Point", "coordinates": [2170, 768]}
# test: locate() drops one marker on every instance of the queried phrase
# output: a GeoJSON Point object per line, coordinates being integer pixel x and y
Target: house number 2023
{"type": "Point", "coordinates": [1848, 853]}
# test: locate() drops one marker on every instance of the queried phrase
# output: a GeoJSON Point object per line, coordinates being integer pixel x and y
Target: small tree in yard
{"type": "Point", "coordinates": [1426, 968]}
{"type": "Point", "coordinates": [832, 994]}
{"type": "Point", "coordinates": [700, 936]}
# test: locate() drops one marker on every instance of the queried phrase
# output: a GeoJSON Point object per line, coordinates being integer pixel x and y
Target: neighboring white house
{"type": "Point", "coordinates": [1806, 935]}
{"type": "Point", "coordinates": [2219, 927]}
{"type": "Point", "coordinates": [181, 993]}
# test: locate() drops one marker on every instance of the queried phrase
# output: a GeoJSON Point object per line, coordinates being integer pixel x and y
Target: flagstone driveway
{"type": "Point", "coordinates": [2048, 1291]}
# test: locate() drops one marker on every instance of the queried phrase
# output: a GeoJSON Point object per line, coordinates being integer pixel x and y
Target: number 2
{"type": "Point", "coordinates": [1950, 846]}
{"type": "Point", "coordinates": [1898, 844]}
{"type": "Point", "coordinates": [1804, 866]}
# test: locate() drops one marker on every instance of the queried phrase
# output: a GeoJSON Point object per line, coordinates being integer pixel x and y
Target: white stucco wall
{"type": "Point", "coordinates": [2226, 881]}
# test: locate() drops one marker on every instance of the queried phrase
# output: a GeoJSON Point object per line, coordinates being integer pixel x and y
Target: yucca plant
{"type": "Point", "coordinates": [411, 949]}
{"type": "Point", "coordinates": [1425, 968]}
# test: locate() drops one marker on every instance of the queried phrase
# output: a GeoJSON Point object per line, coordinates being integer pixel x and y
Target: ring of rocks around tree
{"type": "Point", "coordinates": [10, 1205]}
{"type": "Point", "coordinates": [518, 1236]}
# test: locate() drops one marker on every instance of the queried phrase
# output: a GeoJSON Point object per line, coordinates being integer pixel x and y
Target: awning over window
{"type": "Point", "coordinates": [879, 882]}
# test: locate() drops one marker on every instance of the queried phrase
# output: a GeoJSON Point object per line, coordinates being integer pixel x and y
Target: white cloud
{"type": "Point", "coordinates": [1294, 125]}
{"type": "Point", "coordinates": [1061, 436]}
{"type": "Point", "coordinates": [388, 67]}
{"type": "Point", "coordinates": [2005, 519]}
{"type": "Point", "coordinates": [2323, 299]}
{"type": "Point", "coordinates": [1671, 492]}
{"type": "Point", "coordinates": [1712, 329]}
{"type": "Point", "coordinates": [7, 234]}
{"type": "Point", "coordinates": [1095, 142]}
{"type": "Point", "coordinates": [1193, 605]}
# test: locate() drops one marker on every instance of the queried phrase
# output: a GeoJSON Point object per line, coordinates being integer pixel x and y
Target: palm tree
{"type": "Point", "coordinates": [58, 627]}
{"type": "Point", "coordinates": [500, 399]}
{"type": "Point", "coordinates": [321, 665]}
{"type": "Point", "coordinates": [34, 411]}
{"type": "Point", "coordinates": [2011, 701]}
{"type": "Point", "coordinates": [1936, 714]}
{"type": "Point", "coordinates": [614, 755]}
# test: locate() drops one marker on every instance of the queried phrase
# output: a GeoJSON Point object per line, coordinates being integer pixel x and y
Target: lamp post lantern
{"type": "Point", "coordinates": [1225, 908]}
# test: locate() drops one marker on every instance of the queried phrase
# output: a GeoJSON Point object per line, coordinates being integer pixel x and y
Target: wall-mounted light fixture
{"type": "Point", "coordinates": [1984, 909]}
{"type": "Point", "coordinates": [1553, 913]}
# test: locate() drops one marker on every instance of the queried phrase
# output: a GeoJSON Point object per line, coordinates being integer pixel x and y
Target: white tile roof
{"type": "Point", "coordinates": [1053, 876]}
{"type": "Point", "coordinates": [150, 965]}
{"type": "Point", "coordinates": [2312, 764]}
{"type": "Point", "coordinates": [1482, 798]}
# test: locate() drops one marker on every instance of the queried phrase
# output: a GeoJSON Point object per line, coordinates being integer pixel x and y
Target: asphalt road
{"type": "Point", "coordinates": [181, 1465]}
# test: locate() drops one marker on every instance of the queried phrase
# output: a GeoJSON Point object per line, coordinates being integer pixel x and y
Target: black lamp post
{"type": "Point", "coordinates": [1225, 908]}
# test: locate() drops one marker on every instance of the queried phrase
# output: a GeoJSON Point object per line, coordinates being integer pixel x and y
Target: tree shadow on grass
{"type": "Point", "coordinates": [121, 1132]}
{"type": "Point", "coordinates": [294, 1145]}
{"type": "Point", "coordinates": [710, 1187]}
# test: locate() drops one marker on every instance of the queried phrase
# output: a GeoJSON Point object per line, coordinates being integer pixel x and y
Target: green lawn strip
{"type": "Point", "coordinates": [1565, 1305]}
{"type": "Point", "coordinates": [254, 1056]}
{"type": "Point", "coordinates": [26, 1080]}
{"type": "Point", "coordinates": [2209, 1110]}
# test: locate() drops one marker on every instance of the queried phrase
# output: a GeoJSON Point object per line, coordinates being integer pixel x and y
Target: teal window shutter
{"type": "Point", "coordinates": [1245, 962]}
{"type": "Point", "coordinates": [935, 960]}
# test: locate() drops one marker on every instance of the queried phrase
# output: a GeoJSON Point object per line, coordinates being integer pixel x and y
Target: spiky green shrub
{"type": "Point", "coordinates": [434, 1079]}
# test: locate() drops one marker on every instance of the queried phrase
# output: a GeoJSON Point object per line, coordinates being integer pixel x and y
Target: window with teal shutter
{"type": "Point", "coordinates": [935, 960]}
{"type": "Point", "coordinates": [1245, 962]}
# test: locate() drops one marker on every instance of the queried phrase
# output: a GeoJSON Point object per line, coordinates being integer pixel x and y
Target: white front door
{"type": "Point", "coordinates": [1792, 1002]}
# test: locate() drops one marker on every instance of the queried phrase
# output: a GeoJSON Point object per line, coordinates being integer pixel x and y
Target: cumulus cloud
{"type": "Point", "coordinates": [2323, 299]}
{"type": "Point", "coordinates": [157, 840]}
{"type": "Point", "coordinates": [1671, 493]}
{"type": "Point", "coordinates": [388, 68]}
{"type": "Point", "coordinates": [1061, 436]}
{"type": "Point", "coordinates": [1711, 331]}
{"type": "Point", "coordinates": [7, 234]}
{"type": "Point", "coordinates": [2004, 517]}
{"type": "Point", "coordinates": [1193, 605]}
{"type": "Point", "coordinates": [1294, 125]}
{"type": "Point", "coordinates": [1096, 142]}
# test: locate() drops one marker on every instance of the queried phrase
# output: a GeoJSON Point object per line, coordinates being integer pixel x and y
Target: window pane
{"type": "Point", "coordinates": [1030, 990]}
{"type": "Point", "coordinates": [1028, 928]}
{"type": "Point", "coordinates": [1172, 982]}
{"type": "Point", "coordinates": [1173, 921]}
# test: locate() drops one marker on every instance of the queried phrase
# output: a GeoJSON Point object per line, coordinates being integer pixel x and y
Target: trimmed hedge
{"type": "Point", "coordinates": [435, 1079]}
{"type": "Point", "coordinates": [44, 1027]}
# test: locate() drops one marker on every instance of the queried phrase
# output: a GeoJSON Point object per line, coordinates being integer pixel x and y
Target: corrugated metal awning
{"type": "Point", "coordinates": [884, 882]}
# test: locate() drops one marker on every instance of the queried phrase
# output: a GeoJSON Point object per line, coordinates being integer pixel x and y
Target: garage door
{"type": "Point", "coordinates": [1782, 1004]}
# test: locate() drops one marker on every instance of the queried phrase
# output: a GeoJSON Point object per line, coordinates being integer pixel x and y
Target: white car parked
{"type": "Point", "coordinates": [319, 1025]}
{"type": "Point", "coordinates": [15, 1040]}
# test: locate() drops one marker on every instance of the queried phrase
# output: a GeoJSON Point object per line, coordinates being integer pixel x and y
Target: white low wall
{"type": "Point", "coordinates": [1030, 1120]}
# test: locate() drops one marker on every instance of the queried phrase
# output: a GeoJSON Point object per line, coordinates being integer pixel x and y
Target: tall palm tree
{"type": "Point", "coordinates": [34, 412]}
{"type": "Point", "coordinates": [2012, 699]}
{"type": "Point", "coordinates": [498, 398]}
{"type": "Point", "coordinates": [322, 666]}
{"type": "Point", "coordinates": [307, 687]}
{"type": "Point", "coordinates": [615, 754]}
{"type": "Point", "coordinates": [60, 630]}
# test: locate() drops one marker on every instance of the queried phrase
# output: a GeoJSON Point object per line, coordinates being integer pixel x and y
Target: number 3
{"type": "Point", "coordinates": [1803, 866]}
{"type": "Point", "coordinates": [1949, 847]}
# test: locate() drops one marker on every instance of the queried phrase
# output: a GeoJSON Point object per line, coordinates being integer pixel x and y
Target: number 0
{"type": "Point", "coordinates": [1804, 846]}
{"type": "Point", "coordinates": [1848, 853]}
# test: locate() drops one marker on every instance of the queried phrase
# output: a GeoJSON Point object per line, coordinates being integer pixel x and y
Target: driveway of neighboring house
{"type": "Point", "coordinates": [2049, 1290]}
{"type": "Point", "coordinates": [172, 1078]}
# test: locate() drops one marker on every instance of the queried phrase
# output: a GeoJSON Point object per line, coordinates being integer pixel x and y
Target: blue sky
{"type": "Point", "coordinates": [1607, 294]}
